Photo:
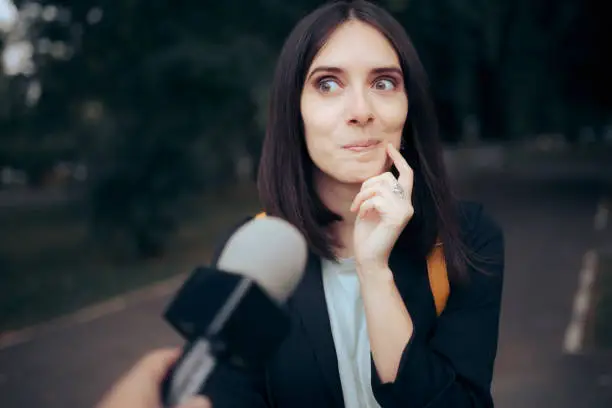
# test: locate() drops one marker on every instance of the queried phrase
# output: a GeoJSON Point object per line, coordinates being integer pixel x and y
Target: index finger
{"type": "Point", "coordinates": [402, 166]}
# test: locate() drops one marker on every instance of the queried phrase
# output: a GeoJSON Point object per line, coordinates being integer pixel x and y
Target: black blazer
{"type": "Point", "coordinates": [448, 363]}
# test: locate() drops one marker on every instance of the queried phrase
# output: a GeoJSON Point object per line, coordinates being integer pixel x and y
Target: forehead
{"type": "Point", "coordinates": [356, 44]}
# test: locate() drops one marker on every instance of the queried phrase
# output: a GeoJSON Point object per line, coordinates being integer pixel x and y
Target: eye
{"type": "Point", "coordinates": [384, 84]}
{"type": "Point", "coordinates": [327, 85]}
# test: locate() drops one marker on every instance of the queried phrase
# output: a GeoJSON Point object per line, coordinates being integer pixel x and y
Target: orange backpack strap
{"type": "Point", "coordinates": [438, 276]}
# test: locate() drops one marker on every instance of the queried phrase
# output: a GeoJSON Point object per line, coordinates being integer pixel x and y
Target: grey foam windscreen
{"type": "Point", "coordinates": [270, 251]}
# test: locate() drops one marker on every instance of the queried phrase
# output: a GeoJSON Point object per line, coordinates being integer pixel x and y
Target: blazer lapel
{"type": "Point", "coordinates": [309, 302]}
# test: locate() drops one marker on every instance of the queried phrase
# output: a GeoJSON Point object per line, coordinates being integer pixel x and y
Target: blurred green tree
{"type": "Point", "coordinates": [158, 100]}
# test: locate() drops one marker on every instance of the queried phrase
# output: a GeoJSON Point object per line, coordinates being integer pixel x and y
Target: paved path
{"type": "Point", "coordinates": [548, 226]}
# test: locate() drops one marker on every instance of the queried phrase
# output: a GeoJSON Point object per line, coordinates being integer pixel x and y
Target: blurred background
{"type": "Point", "coordinates": [130, 134]}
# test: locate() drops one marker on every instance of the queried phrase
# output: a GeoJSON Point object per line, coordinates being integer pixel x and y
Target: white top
{"type": "Point", "coordinates": [348, 326]}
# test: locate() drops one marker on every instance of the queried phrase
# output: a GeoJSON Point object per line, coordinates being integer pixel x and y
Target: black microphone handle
{"type": "Point", "coordinates": [230, 323]}
{"type": "Point", "coordinates": [189, 374]}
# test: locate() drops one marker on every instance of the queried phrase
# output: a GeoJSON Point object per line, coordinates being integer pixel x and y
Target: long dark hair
{"type": "Point", "coordinates": [285, 179]}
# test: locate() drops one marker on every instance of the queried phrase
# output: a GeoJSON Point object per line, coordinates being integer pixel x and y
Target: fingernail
{"type": "Point", "coordinates": [196, 402]}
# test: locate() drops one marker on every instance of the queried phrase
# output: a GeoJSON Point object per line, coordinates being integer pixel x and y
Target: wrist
{"type": "Point", "coordinates": [367, 265]}
{"type": "Point", "coordinates": [374, 273]}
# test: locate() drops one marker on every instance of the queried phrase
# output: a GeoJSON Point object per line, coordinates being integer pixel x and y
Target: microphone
{"type": "Point", "coordinates": [234, 312]}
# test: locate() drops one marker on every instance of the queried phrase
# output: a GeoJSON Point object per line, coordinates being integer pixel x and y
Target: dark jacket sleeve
{"type": "Point", "coordinates": [452, 368]}
{"type": "Point", "coordinates": [229, 386]}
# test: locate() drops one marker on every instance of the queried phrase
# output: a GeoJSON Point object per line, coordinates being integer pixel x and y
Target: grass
{"type": "Point", "coordinates": [602, 311]}
{"type": "Point", "coordinates": [50, 265]}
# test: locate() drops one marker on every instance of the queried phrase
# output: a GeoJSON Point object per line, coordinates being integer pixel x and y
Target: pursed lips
{"type": "Point", "coordinates": [362, 145]}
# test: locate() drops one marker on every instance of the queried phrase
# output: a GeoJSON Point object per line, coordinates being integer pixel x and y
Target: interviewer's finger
{"type": "Point", "coordinates": [158, 362]}
{"type": "Point", "coordinates": [196, 402]}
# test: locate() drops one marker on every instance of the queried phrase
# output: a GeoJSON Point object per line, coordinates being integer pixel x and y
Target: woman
{"type": "Point", "coordinates": [351, 157]}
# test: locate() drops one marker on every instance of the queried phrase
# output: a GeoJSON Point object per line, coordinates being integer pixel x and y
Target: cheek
{"type": "Point", "coordinates": [393, 115]}
{"type": "Point", "coordinates": [321, 117]}
{"type": "Point", "coordinates": [320, 126]}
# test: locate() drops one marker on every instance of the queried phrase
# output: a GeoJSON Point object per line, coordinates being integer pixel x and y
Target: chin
{"type": "Point", "coordinates": [359, 174]}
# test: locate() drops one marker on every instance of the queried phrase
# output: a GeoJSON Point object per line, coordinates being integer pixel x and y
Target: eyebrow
{"type": "Point", "coordinates": [380, 70]}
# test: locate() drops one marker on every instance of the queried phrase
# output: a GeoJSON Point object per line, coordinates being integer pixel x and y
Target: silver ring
{"type": "Point", "coordinates": [398, 190]}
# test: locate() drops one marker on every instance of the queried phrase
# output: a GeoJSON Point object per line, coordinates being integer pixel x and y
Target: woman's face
{"type": "Point", "coordinates": [353, 104]}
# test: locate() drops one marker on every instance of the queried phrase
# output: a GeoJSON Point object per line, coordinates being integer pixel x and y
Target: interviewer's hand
{"type": "Point", "coordinates": [140, 387]}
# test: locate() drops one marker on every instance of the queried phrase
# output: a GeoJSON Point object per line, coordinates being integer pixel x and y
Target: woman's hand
{"type": "Point", "coordinates": [384, 207]}
{"type": "Point", "coordinates": [141, 386]}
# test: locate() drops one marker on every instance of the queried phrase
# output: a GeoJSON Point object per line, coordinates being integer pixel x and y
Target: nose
{"type": "Point", "coordinates": [359, 109]}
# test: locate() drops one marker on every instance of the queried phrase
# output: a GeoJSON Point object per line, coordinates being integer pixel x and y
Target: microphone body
{"type": "Point", "coordinates": [233, 313]}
